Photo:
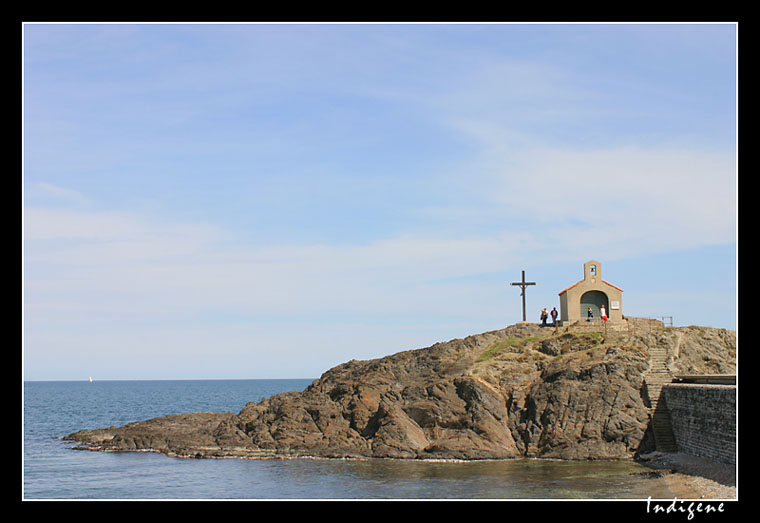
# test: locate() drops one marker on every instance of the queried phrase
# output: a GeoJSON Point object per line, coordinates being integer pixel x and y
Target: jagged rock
{"type": "Point", "coordinates": [519, 391]}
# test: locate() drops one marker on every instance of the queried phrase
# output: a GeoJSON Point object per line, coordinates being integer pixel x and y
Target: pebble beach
{"type": "Point", "coordinates": [693, 477]}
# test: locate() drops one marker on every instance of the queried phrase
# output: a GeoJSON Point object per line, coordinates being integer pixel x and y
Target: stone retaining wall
{"type": "Point", "coordinates": [703, 418]}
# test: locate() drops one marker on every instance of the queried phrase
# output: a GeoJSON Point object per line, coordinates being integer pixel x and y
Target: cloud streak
{"type": "Point", "coordinates": [685, 197]}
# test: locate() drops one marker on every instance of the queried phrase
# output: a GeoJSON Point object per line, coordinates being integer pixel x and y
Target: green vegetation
{"type": "Point", "coordinates": [499, 347]}
{"type": "Point", "coordinates": [511, 344]}
{"type": "Point", "coordinates": [585, 342]}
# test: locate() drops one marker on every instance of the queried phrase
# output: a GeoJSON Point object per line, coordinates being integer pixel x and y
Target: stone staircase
{"type": "Point", "coordinates": [657, 376]}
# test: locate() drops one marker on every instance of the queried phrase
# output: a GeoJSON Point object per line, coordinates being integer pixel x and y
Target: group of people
{"type": "Point", "coordinates": [589, 315]}
{"type": "Point", "coordinates": [602, 312]}
{"type": "Point", "coordinates": [545, 316]}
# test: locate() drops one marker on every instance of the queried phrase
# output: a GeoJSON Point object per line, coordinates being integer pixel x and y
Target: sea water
{"type": "Point", "coordinates": [53, 470]}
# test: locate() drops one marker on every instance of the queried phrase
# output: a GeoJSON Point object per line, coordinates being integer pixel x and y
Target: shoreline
{"type": "Point", "coordinates": [687, 477]}
{"type": "Point", "coordinates": [694, 477]}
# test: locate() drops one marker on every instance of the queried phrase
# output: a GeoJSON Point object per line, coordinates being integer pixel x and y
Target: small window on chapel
{"type": "Point", "coordinates": [592, 270]}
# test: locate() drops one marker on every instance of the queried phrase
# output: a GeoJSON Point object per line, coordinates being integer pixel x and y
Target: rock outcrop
{"type": "Point", "coordinates": [515, 392]}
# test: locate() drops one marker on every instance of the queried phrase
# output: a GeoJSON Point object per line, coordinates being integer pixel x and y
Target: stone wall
{"type": "Point", "coordinates": [703, 418]}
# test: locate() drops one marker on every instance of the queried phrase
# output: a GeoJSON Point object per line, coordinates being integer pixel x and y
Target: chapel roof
{"type": "Point", "coordinates": [606, 282]}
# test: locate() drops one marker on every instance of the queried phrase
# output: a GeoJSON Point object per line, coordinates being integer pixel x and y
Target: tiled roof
{"type": "Point", "coordinates": [573, 285]}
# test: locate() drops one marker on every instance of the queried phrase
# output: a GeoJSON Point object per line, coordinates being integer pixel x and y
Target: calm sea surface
{"type": "Point", "coordinates": [53, 470]}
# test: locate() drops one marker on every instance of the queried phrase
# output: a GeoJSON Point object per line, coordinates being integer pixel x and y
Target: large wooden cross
{"type": "Point", "coordinates": [522, 284]}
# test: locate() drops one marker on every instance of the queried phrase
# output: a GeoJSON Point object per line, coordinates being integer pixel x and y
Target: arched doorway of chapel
{"type": "Point", "coordinates": [595, 300]}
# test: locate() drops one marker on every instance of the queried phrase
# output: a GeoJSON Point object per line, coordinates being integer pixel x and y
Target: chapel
{"type": "Point", "coordinates": [591, 292]}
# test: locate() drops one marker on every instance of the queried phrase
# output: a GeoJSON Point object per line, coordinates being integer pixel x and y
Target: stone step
{"type": "Point", "coordinates": [663, 433]}
{"type": "Point", "coordinates": [665, 443]}
{"type": "Point", "coordinates": [656, 378]}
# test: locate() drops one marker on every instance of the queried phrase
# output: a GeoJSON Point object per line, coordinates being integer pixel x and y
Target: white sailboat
{"type": "Point", "coordinates": [90, 379]}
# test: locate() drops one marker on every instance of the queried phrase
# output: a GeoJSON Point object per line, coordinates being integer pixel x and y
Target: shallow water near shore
{"type": "Point", "coordinates": [53, 470]}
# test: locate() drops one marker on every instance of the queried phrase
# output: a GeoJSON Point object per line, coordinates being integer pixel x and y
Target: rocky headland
{"type": "Point", "coordinates": [522, 391]}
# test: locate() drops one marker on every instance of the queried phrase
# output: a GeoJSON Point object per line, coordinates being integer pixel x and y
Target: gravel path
{"type": "Point", "coordinates": [692, 477]}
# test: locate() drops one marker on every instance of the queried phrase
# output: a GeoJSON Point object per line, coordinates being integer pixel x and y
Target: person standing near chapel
{"type": "Point", "coordinates": [589, 314]}
{"type": "Point", "coordinates": [604, 314]}
{"type": "Point", "coordinates": [554, 316]}
{"type": "Point", "coordinates": [544, 315]}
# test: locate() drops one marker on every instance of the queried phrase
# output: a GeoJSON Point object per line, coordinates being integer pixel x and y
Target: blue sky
{"type": "Point", "coordinates": [271, 200]}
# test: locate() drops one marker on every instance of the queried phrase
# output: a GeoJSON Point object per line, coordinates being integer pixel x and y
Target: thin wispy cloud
{"type": "Point", "coordinates": [56, 195]}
